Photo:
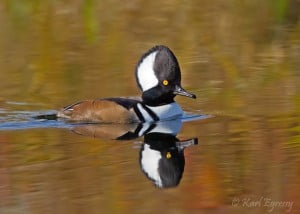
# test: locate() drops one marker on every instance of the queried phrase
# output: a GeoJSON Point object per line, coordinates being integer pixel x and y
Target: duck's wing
{"type": "Point", "coordinates": [109, 110]}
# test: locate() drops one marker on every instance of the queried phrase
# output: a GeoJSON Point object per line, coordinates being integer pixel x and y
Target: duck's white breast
{"type": "Point", "coordinates": [167, 112]}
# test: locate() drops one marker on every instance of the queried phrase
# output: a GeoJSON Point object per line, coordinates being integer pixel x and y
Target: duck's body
{"type": "Point", "coordinates": [119, 110]}
{"type": "Point", "coordinates": [158, 76]}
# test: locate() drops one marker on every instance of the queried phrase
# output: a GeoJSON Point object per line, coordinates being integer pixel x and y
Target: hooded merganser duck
{"type": "Point", "coordinates": [158, 77]}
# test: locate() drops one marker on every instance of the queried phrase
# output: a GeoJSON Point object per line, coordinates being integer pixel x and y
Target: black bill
{"type": "Point", "coordinates": [180, 91]}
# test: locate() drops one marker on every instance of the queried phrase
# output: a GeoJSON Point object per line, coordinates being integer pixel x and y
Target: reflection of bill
{"type": "Point", "coordinates": [162, 158]}
{"type": "Point", "coordinates": [161, 155]}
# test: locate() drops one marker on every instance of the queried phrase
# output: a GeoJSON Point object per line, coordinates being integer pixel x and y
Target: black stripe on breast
{"type": "Point", "coordinates": [138, 113]}
{"type": "Point", "coordinates": [150, 112]}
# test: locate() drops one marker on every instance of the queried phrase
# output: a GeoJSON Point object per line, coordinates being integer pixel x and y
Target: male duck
{"type": "Point", "coordinates": [158, 76]}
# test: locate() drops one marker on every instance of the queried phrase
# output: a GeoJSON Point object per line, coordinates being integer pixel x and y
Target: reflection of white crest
{"type": "Point", "coordinates": [149, 162]}
{"type": "Point", "coordinates": [145, 73]}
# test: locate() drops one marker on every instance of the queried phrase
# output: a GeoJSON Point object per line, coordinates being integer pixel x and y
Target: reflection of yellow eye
{"type": "Point", "coordinates": [165, 82]}
{"type": "Point", "coordinates": [168, 155]}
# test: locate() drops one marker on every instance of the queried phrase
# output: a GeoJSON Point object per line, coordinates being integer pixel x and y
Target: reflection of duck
{"type": "Point", "coordinates": [162, 158]}
{"type": "Point", "coordinates": [159, 78]}
{"type": "Point", "coordinates": [161, 155]}
{"type": "Point", "coordinates": [127, 131]}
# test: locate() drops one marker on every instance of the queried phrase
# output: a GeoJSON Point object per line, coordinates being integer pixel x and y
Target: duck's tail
{"type": "Point", "coordinates": [46, 117]}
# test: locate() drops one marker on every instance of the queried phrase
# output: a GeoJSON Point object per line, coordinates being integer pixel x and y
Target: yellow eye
{"type": "Point", "coordinates": [168, 155]}
{"type": "Point", "coordinates": [165, 82]}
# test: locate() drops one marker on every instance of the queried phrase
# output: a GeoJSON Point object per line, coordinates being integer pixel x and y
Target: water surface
{"type": "Point", "coordinates": [242, 62]}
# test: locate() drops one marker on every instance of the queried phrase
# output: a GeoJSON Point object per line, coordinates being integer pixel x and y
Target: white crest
{"type": "Point", "coordinates": [145, 72]}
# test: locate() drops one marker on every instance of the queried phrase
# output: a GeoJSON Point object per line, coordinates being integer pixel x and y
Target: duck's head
{"type": "Point", "coordinates": [158, 76]}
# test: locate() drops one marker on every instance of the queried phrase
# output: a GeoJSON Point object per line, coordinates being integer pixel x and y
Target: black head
{"type": "Point", "coordinates": [158, 76]}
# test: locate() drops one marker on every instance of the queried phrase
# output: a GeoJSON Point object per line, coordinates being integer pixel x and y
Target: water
{"type": "Point", "coordinates": [236, 150]}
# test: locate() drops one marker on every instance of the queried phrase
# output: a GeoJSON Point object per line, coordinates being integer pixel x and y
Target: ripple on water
{"type": "Point", "coordinates": [11, 118]}
{"type": "Point", "coordinates": [14, 120]}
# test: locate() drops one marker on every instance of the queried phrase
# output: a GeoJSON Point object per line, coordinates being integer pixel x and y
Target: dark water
{"type": "Point", "coordinates": [237, 149]}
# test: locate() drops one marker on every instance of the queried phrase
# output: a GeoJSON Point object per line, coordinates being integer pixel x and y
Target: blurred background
{"type": "Point", "coordinates": [241, 59]}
